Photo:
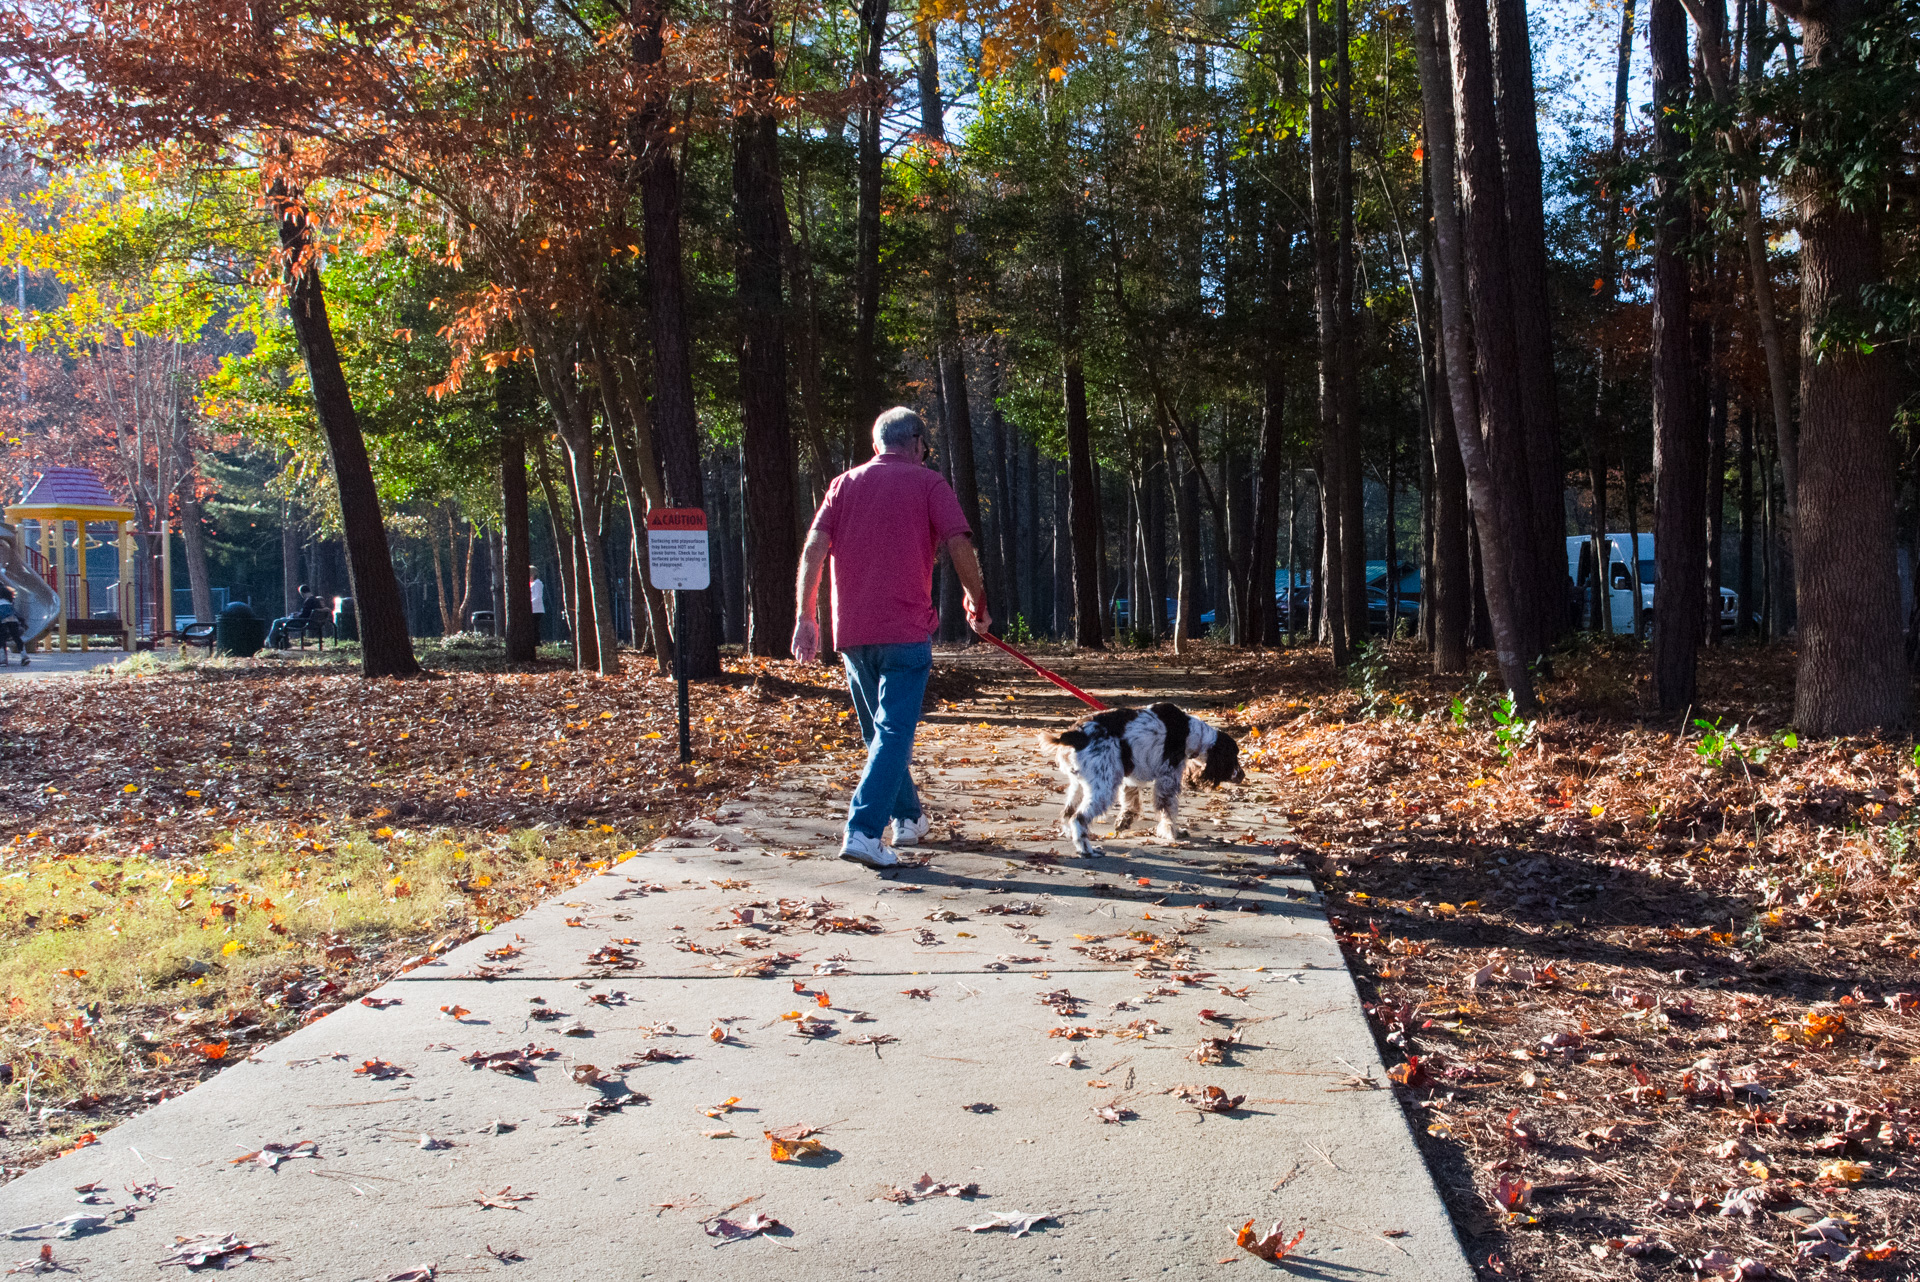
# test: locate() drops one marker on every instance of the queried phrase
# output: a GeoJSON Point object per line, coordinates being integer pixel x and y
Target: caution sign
{"type": "Point", "coordinates": [677, 549]}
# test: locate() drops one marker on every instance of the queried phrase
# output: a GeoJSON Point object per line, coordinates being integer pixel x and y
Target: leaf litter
{"type": "Point", "coordinates": [1612, 949]}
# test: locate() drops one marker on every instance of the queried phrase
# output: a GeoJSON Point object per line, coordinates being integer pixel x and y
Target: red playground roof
{"type": "Point", "coordinates": [68, 487]}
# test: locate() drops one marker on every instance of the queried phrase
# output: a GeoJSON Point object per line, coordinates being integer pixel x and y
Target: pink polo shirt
{"type": "Point", "coordinates": [885, 521]}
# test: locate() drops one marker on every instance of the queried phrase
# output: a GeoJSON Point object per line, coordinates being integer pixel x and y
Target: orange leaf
{"type": "Point", "coordinates": [1274, 1246]}
{"type": "Point", "coordinates": [81, 974]}
{"type": "Point", "coordinates": [824, 1000]}
{"type": "Point", "coordinates": [213, 1050]}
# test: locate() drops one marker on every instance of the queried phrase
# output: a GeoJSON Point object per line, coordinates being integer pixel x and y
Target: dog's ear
{"type": "Point", "coordinates": [1222, 761]}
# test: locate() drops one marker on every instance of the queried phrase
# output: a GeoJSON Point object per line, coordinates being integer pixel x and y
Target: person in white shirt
{"type": "Point", "coordinates": [538, 591]}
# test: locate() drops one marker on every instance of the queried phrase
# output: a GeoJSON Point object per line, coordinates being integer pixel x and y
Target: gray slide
{"type": "Point", "coordinates": [38, 606]}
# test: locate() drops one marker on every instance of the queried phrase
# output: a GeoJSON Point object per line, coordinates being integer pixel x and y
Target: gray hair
{"type": "Point", "coordinates": [895, 428]}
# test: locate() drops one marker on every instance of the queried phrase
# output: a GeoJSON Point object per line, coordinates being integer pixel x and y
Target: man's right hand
{"type": "Point", "coordinates": [806, 640]}
{"type": "Point", "coordinates": [977, 614]}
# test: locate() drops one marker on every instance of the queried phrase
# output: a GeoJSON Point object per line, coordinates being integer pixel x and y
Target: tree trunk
{"type": "Point", "coordinates": [193, 535]}
{"type": "Point", "coordinates": [289, 560]}
{"type": "Point", "coordinates": [442, 589]}
{"type": "Point", "coordinates": [386, 648]}
{"type": "Point", "coordinates": [1598, 436]}
{"type": "Point", "coordinates": [1502, 423]}
{"type": "Point", "coordinates": [1083, 512]}
{"type": "Point", "coordinates": [1153, 535]}
{"type": "Point", "coordinates": [1679, 438]}
{"type": "Point", "coordinates": [1716, 492]}
{"type": "Point", "coordinates": [1449, 591]}
{"type": "Point", "coordinates": [874, 94]}
{"type": "Point", "coordinates": [1032, 592]}
{"type": "Point", "coordinates": [766, 435]}
{"type": "Point", "coordinates": [1492, 540]}
{"type": "Point", "coordinates": [1850, 676]}
{"type": "Point", "coordinates": [633, 455]}
{"type": "Point", "coordinates": [1007, 553]}
{"type": "Point", "coordinates": [1062, 612]}
{"type": "Point", "coordinates": [561, 528]}
{"type": "Point", "coordinates": [1186, 519]}
{"type": "Point", "coordinates": [1263, 625]}
{"type": "Point", "coordinates": [1329, 574]}
{"type": "Point", "coordinates": [518, 554]}
{"type": "Point", "coordinates": [677, 433]}
{"type": "Point", "coordinates": [1352, 544]}
{"type": "Point", "coordinates": [595, 642]}
{"type": "Point", "coordinates": [1532, 316]}
{"type": "Point", "coordinates": [1748, 602]}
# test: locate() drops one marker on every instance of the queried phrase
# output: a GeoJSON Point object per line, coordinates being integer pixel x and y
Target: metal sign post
{"type": "Point", "coordinates": [677, 562]}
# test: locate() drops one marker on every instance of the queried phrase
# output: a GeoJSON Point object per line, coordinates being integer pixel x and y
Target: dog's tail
{"type": "Point", "coordinates": [1075, 739]}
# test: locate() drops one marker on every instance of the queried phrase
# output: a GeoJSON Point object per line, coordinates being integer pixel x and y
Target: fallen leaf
{"type": "Point", "coordinates": [1016, 1222]}
{"type": "Point", "coordinates": [1512, 1193]}
{"type": "Point", "coordinates": [792, 1150]}
{"type": "Point", "coordinates": [740, 1230]}
{"type": "Point", "coordinates": [271, 1155]}
{"type": "Point", "coordinates": [1272, 1246]}
{"type": "Point", "coordinates": [201, 1249]}
{"type": "Point", "coordinates": [380, 1070]}
{"type": "Point", "coordinates": [503, 1200]}
{"type": "Point", "coordinates": [1410, 1074]}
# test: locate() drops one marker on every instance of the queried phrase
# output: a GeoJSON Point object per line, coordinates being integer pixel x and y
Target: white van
{"type": "Point", "coordinates": [1581, 568]}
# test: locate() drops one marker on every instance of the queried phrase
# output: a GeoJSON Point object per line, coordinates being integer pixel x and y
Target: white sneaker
{"type": "Point", "coordinates": [908, 832]}
{"type": "Point", "coordinates": [861, 849]}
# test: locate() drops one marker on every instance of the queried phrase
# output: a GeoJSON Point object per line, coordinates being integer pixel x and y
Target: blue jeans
{"type": "Point", "coordinates": [888, 683]}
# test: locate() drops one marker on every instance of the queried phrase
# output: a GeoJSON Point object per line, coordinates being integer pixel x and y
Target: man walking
{"type": "Point", "coordinates": [537, 593]}
{"type": "Point", "coordinates": [882, 524]}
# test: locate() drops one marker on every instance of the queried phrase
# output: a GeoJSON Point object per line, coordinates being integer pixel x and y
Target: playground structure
{"type": "Point", "coordinates": [54, 593]}
{"type": "Point", "coordinates": [33, 599]}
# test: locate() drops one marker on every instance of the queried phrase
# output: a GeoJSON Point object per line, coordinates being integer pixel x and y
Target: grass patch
{"type": "Point", "coordinates": [123, 978]}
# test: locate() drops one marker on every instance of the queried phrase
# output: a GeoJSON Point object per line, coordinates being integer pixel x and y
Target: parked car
{"type": "Point", "coordinates": [1408, 587]}
{"type": "Point", "coordinates": [1582, 567]}
{"type": "Point", "coordinates": [1123, 617]}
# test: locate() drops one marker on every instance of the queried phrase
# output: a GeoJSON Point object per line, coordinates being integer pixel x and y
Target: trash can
{"type": "Point", "coordinates": [238, 631]}
{"type": "Point", "coordinates": [345, 626]}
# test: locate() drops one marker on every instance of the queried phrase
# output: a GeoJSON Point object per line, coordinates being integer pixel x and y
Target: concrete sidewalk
{"type": "Point", "coordinates": [933, 982]}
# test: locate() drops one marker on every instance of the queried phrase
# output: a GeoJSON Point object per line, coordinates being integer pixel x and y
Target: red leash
{"type": "Point", "coordinates": [1060, 681]}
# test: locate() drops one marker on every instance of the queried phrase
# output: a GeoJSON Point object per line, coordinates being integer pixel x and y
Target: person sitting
{"type": "Point", "coordinates": [13, 629]}
{"type": "Point", "coordinates": [312, 609]}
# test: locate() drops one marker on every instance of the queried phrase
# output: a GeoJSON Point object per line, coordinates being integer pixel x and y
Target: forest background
{"type": "Point", "coordinates": [1195, 295]}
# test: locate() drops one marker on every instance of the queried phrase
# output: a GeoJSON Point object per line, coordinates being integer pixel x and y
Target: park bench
{"type": "Point", "coordinates": [197, 634]}
{"type": "Point", "coordinates": [316, 626]}
{"type": "Point", "coordinates": [100, 626]}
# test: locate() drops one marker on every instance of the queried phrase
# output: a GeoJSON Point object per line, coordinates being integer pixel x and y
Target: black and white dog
{"type": "Point", "coordinates": [1137, 749]}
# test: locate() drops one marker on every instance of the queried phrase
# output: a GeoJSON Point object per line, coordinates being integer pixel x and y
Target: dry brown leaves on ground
{"type": "Point", "coordinates": [163, 830]}
{"type": "Point", "coordinates": [1648, 996]}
